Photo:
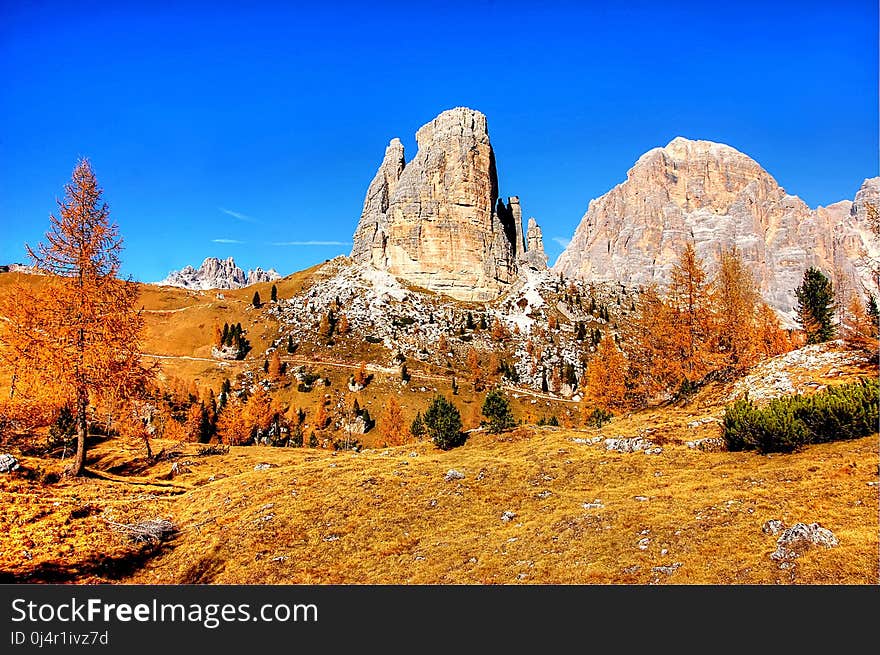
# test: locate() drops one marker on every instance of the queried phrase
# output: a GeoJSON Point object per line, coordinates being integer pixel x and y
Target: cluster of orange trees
{"type": "Point", "coordinates": [700, 328]}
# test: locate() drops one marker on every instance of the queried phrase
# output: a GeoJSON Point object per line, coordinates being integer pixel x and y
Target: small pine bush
{"type": "Point", "coordinates": [417, 427]}
{"type": "Point", "coordinates": [496, 408]}
{"type": "Point", "coordinates": [443, 424]}
{"type": "Point", "coordinates": [846, 411]}
{"type": "Point", "coordinates": [599, 417]}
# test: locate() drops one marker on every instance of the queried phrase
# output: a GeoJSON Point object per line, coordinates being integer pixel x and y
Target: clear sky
{"type": "Point", "coordinates": [221, 130]}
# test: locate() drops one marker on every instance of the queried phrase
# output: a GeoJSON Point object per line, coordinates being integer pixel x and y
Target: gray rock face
{"type": "Point", "coordinates": [795, 540]}
{"type": "Point", "coordinates": [534, 255]}
{"type": "Point", "coordinates": [217, 274]}
{"type": "Point", "coordinates": [452, 474]}
{"type": "Point", "coordinates": [629, 444]}
{"type": "Point", "coordinates": [8, 463]}
{"type": "Point", "coordinates": [437, 221]}
{"type": "Point", "coordinates": [371, 234]}
{"type": "Point", "coordinates": [773, 526]}
{"type": "Point", "coordinates": [718, 198]}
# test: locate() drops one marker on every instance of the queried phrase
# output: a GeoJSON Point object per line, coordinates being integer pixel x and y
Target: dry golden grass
{"type": "Point", "coordinates": [384, 516]}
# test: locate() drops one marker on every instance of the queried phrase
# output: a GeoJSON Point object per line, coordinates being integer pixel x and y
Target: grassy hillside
{"type": "Point", "coordinates": [389, 516]}
{"type": "Point", "coordinates": [581, 514]}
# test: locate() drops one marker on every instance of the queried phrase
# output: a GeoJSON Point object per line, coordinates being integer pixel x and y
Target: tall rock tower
{"type": "Point", "coordinates": [437, 221]}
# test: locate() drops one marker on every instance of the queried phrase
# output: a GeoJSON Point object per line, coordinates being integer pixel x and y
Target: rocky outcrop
{"type": "Point", "coordinates": [534, 254]}
{"type": "Point", "coordinates": [800, 537]}
{"type": "Point", "coordinates": [8, 463]}
{"type": "Point", "coordinates": [437, 221]}
{"type": "Point", "coordinates": [718, 198]}
{"type": "Point", "coordinates": [371, 234]}
{"type": "Point", "coordinates": [259, 275]}
{"type": "Point", "coordinates": [217, 274]}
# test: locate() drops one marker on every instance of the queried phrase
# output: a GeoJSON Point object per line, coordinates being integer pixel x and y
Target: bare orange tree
{"type": "Point", "coordinates": [79, 334]}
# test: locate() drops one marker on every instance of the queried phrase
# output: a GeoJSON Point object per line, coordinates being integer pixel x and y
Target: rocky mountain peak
{"type": "Point", "coordinates": [437, 221]}
{"type": "Point", "coordinates": [217, 274]}
{"type": "Point", "coordinates": [718, 198]}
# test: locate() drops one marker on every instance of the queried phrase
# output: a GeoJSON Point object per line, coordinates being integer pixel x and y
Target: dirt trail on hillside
{"type": "Point", "coordinates": [374, 368]}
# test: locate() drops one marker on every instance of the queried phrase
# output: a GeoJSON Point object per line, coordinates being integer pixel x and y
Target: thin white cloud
{"type": "Point", "coordinates": [310, 243]}
{"type": "Point", "coordinates": [226, 241]}
{"type": "Point", "coordinates": [237, 215]}
{"type": "Point", "coordinates": [562, 241]}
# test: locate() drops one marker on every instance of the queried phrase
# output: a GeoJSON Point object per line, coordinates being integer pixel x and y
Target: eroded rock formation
{"type": "Point", "coordinates": [437, 221]}
{"type": "Point", "coordinates": [718, 198]}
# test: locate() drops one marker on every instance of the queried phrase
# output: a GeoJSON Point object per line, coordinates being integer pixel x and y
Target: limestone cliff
{"type": "Point", "coordinates": [718, 198]}
{"type": "Point", "coordinates": [437, 221]}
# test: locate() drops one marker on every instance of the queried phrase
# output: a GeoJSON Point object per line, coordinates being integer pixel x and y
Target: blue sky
{"type": "Point", "coordinates": [220, 130]}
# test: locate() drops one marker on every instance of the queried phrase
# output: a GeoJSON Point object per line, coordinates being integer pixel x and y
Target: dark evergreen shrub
{"type": "Point", "coordinates": [443, 424]}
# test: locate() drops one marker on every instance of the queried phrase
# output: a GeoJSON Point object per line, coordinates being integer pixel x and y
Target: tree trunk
{"type": "Point", "coordinates": [79, 462]}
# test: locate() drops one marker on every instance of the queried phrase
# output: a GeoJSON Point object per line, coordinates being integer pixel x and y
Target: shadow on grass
{"type": "Point", "coordinates": [205, 570]}
{"type": "Point", "coordinates": [101, 568]}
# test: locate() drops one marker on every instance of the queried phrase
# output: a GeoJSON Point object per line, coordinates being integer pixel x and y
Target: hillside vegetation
{"type": "Point", "coordinates": [534, 505]}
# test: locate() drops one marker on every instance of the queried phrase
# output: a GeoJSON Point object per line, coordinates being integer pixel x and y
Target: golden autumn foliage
{"type": "Point", "coordinates": [325, 328]}
{"type": "Point", "coordinates": [392, 425]}
{"type": "Point", "coordinates": [342, 327]}
{"type": "Point", "coordinates": [858, 329]}
{"type": "Point", "coordinates": [360, 375]}
{"type": "Point", "coordinates": [736, 300]}
{"type": "Point", "coordinates": [321, 417]}
{"type": "Point", "coordinates": [701, 327]}
{"type": "Point", "coordinates": [259, 409]}
{"type": "Point", "coordinates": [232, 425]}
{"type": "Point", "coordinates": [192, 429]}
{"type": "Point", "coordinates": [78, 334]}
{"type": "Point", "coordinates": [606, 377]}
{"type": "Point", "coordinates": [690, 319]}
{"type": "Point", "coordinates": [499, 332]}
{"type": "Point", "coordinates": [473, 367]}
{"type": "Point", "coordinates": [493, 366]}
{"type": "Point", "coordinates": [275, 366]}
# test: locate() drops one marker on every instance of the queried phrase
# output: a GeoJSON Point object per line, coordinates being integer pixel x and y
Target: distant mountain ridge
{"type": "Point", "coordinates": [217, 274]}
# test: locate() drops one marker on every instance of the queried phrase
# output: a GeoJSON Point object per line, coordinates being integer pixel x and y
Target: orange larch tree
{"type": "Point", "coordinates": [473, 365]}
{"type": "Point", "coordinates": [499, 332]}
{"type": "Point", "coordinates": [361, 377]}
{"type": "Point", "coordinates": [391, 423]}
{"type": "Point", "coordinates": [736, 301]}
{"type": "Point", "coordinates": [606, 376]}
{"type": "Point", "coordinates": [81, 332]}
{"type": "Point", "coordinates": [690, 301]}
{"type": "Point", "coordinates": [275, 366]}
{"type": "Point", "coordinates": [321, 417]}
{"type": "Point", "coordinates": [232, 424]}
{"type": "Point", "coordinates": [648, 342]}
